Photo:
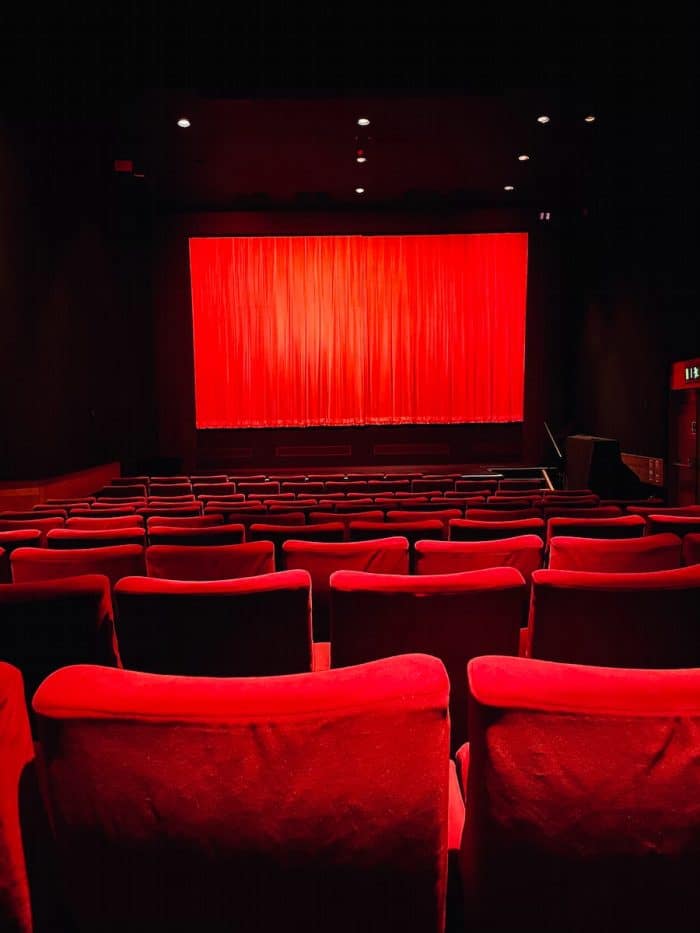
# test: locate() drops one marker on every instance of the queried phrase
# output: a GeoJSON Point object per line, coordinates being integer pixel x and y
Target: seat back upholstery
{"type": "Point", "coordinates": [453, 616]}
{"type": "Point", "coordinates": [680, 525]}
{"type": "Point", "coordinates": [581, 797]}
{"type": "Point", "coordinates": [621, 555]}
{"type": "Point", "coordinates": [469, 529]}
{"type": "Point", "coordinates": [122, 560]}
{"type": "Point", "coordinates": [624, 526]}
{"type": "Point", "coordinates": [524, 552]}
{"type": "Point", "coordinates": [616, 619]}
{"type": "Point", "coordinates": [196, 537]}
{"type": "Point", "coordinates": [269, 803]}
{"type": "Point", "coordinates": [691, 549]}
{"type": "Point", "coordinates": [247, 627]}
{"type": "Point", "coordinates": [67, 538]}
{"type": "Point", "coordinates": [209, 562]}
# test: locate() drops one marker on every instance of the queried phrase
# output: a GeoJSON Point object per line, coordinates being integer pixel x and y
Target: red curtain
{"type": "Point", "coordinates": [298, 331]}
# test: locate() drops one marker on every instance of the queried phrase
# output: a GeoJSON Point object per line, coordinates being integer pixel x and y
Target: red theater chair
{"type": "Point", "coordinates": [257, 487]}
{"type": "Point", "coordinates": [429, 528]}
{"type": "Point", "coordinates": [228, 499]}
{"type": "Point", "coordinates": [505, 494]}
{"type": "Point", "coordinates": [509, 503]}
{"type": "Point", "coordinates": [196, 537]}
{"type": "Point", "coordinates": [170, 489]}
{"type": "Point", "coordinates": [591, 511]}
{"type": "Point", "coordinates": [616, 619]}
{"type": "Point", "coordinates": [402, 476]}
{"type": "Point", "coordinates": [278, 534]}
{"type": "Point", "coordinates": [455, 500]}
{"type": "Point", "coordinates": [478, 487]}
{"type": "Point", "coordinates": [217, 562]}
{"type": "Point", "coordinates": [42, 525]}
{"type": "Point", "coordinates": [104, 524]}
{"type": "Point", "coordinates": [224, 507]}
{"type": "Point", "coordinates": [388, 486]}
{"type": "Point", "coordinates": [522, 484]}
{"type": "Point", "coordinates": [680, 525]}
{"type": "Point", "coordinates": [567, 493]}
{"type": "Point", "coordinates": [624, 526]}
{"type": "Point", "coordinates": [135, 490]}
{"type": "Point", "coordinates": [303, 489]}
{"type": "Point", "coordinates": [10, 541]}
{"type": "Point", "coordinates": [362, 515]}
{"type": "Point", "coordinates": [32, 564]}
{"type": "Point", "coordinates": [454, 616]}
{"type": "Point", "coordinates": [169, 480]}
{"type": "Point", "coordinates": [172, 511]}
{"type": "Point", "coordinates": [226, 628]}
{"type": "Point", "coordinates": [52, 623]}
{"type": "Point", "coordinates": [645, 510]}
{"type": "Point", "coordinates": [213, 489]}
{"type": "Point", "coordinates": [216, 478]}
{"type": "Point", "coordinates": [524, 552]}
{"type": "Point", "coordinates": [66, 538]}
{"type": "Point", "coordinates": [16, 756]}
{"type": "Point", "coordinates": [172, 500]}
{"type": "Point", "coordinates": [467, 529]}
{"type": "Point", "coordinates": [291, 803]}
{"type": "Point", "coordinates": [103, 513]}
{"type": "Point", "coordinates": [299, 507]}
{"type": "Point", "coordinates": [351, 505]}
{"type": "Point", "coordinates": [399, 516]}
{"type": "Point", "coordinates": [389, 555]}
{"type": "Point", "coordinates": [691, 549]}
{"type": "Point", "coordinates": [193, 521]}
{"type": "Point", "coordinates": [129, 481]}
{"type": "Point", "coordinates": [574, 502]}
{"type": "Point", "coordinates": [252, 478]}
{"type": "Point", "coordinates": [364, 477]}
{"type": "Point", "coordinates": [483, 514]}
{"type": "Point", "coordinates": [345, 485]}
{"type": "Point", "coordinates": [581, 798]}
{"type": "Point", "coordinates": [128, 505]}
{"type": "Point", "coordinates": [622, 555]}
{"type": "Point", "coordinates": [37, 511]}
{"type": "Point", "coordinates": [75, 501]}
{"type": "Point", "coordinates": [432, 486]}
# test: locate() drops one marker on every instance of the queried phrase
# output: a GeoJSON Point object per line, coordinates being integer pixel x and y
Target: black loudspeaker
{"type": "Point", "coordinates": [595, 463]}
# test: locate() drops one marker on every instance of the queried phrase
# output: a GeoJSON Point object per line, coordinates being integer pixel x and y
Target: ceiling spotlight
{"type": "Point", "coordinates": [545, 215]}
{"type": "Point", "coordinates": [184, 122]}
{"type": "Point", "coordinates": [590, 118]}
{"type": "Point", "coordinates": [523, 158]}
{"type": "Point", "coordinates": [363, 121]}
{"type": "Point", "coordinates": [508, 188]}
{"type": "Point", "coordinates": [361, 159]}
{"type": "Point", "coordinates": [543, 119]}
{"type": "Point", "coordinates": [359, 190]}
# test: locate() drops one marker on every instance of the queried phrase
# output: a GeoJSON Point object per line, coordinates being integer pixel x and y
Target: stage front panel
{"type": "Point", "coordinates": [352, 330]}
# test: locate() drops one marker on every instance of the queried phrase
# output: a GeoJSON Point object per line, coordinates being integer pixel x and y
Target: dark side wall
{"type": "Point", "coordinates": [76, 351]}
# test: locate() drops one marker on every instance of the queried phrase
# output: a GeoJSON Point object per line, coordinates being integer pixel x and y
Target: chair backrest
{"type": "Point", "coordinates": [44, 511]}
{"type": "Point", "coordinates": [257, 487]}
{"type": "Point", "coordinates": [187, 521]}
{"type": "Point", "coordinates": [680, 525]}
{"type": "Point", "coordinates": [303, 489]}
{"type": "Point", "coordinates": [429, 528]}
{"type": "Point", "coordinates": [193, 537]}
{"type": "Point", "coordinates": [42, 525]}
{"type": "Point", "coordinates": [397, 516]}
{"type": "Point", "coordinates": [213, 489]}
{"type": "Point", "coordinates": [278, 534]}
{"type": "Point", "coordinates": [620, 555]}
{"type": "Point", "coordinates": [216, 478]}
{"type": "Point", "coordinates": [215, 562]}
{"type": "Point", "coordinates": [691, 549]}
{"type": "Point", "coordinates": [172, 511]}
{"type": "Point", "coordinates": [480, 514]}
{"type": "Point", "coordinates": [16, 754]}
{"type": "Point", "coordinates": [624, 526]}
{"type": "Point", "coordinates": [581, 797]}
{"type": "Point", "coordinates": [663, 510]}
{"type": "Point", "coordinates": [249, 627]}
{"type": "Point", "coordinates": [9, 542]}
{"type": "Point", "coordinates": [593, 511]}
{"type": "Point", "coordinates": [368, 515]}
{"type": "Point", "coordinates": [454, 617]}
{"type": "Point", "coordinates": [524, 552]}
{"type": "Point", "coordinates": [170, 489]}
{"type": "Point", "coordinates": [52, 623]}
{"type": "Point", "coordinates": [94, 512]}
{"type": "Point", "coordinates": [122, 491]}
{"type": "Point", "coordinates": [123, 560]}
{"type": "Point", "coordinates": [99, 523]}
{"type": "Point", "coordinates": [616, 619]}
{"type": "Point", "coordinates": [467, 529]}
{"type": "Point", "coordinates": [282, 803]}
{"type": "Point", "coordinates": [517, 484]}
{"type": "Point", "coordinates": [510, 503]}
{"type": "Point", "coordinates": [62, 538]}
{"type": "Point", "coordinates": [389, 555]}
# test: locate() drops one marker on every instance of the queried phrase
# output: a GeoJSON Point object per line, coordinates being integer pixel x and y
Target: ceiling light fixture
{"type": "Point", "coordinates": [361, 159]}
{"type": "Point", "coordinates": [543, 119]}
{"type": "Point", "coordinates": [359, 190]}
{"type": "Point", "coordinates": [363, 121]}
{"type": "Point", "coordinates": [184, 122]}
{"type": "Point", "coordinates": [523, 158]}
{"type": "Point", "coordinates": [508, 188]}
{"type": "Point", "coordinates": [590, 118]}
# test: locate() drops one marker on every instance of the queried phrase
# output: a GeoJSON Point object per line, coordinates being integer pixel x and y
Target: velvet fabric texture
{"type": "Point", "coordinates": [228, 628]}
{"type": "Point", "coordinates": [412, 531]}
{"type": "Point", "coordinates": [49, 624]}
{"type": "Point", "coordinates": [43, 525]}
{"type": "Point", "coordinates": [193, 521]}
{"type": "Point", "coordinates": [631, 555]}
{"type": "Point", "coordinates": [32, 564]}
{"type": "Point", "coordinates": [524, 552]}
{"type": "Point", "coordinates": [691, 549]}
{"type": "Point", "coordinates": [453, 616]}
{"type": "Point", "coordinates": [389, 555]}
{"type": "Point", "coordinates": [9, 542]}
{"type": "Point", "coordinates": [104, 524]}
{"type": "Point", "coordinates": [502, 515]}
{"type": "Point", "coordinates": [124, 491]}
{"type": "Point", "coordinates": [582, 798]}
{"type": "Point", "coordinates": [595, 511]}
{"type": "Point", "coordinates": [67, 538]}
{"type": "Point", "coordinates": [278, 534]}
{"type": "Point", "coordinates": [616, 619]}
{"type": "Point", "coordinates": [16, 754]}
{"type": "Point", "coordinates": [310, 802]}
{"type": "Point", "coordinates": [194, 537]}
{"type": "Point", "coordinates": [217, 562]}
{"type": "Point", "coordinates": [680, 525]}
{"type": "Point", "coordinates": [469, 529]}
{"type": "Point", "coordinates": [625, 526]}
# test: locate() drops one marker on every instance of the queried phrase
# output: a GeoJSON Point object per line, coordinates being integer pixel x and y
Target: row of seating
{"type": "Point", "coordinates": [325, 801]}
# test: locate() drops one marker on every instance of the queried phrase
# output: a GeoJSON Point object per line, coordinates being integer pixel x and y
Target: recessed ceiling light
{"type": "Point", "coordinates": [508, 188]}
{"type": "Point", "coordinates": [363, 121]}
{"type": "Point", "coordinates": [543, 119]}
{"type": "Point", "coordinates": [184, 122]}
{"type": "Point", "coordinates": [361, 159]}
{"type": "Point", "coordinates": [523, 157]}
{"type": "Point", "coordinates": [359, 190]}
{"type": "Point", "coordinates": [590, 118]}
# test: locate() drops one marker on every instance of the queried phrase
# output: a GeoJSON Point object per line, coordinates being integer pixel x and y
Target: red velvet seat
{"type": "Point", "coordinates": [42, 525]}
{"type": "Point", "coordinates": [119, 512]}
{"type": "Point", "coordinates": [278, 534]}
{"type": "Point", "coordinates": [347, 518]}
{"type": "Point", "coordinates": [522, 484]}
{"type": "Point", "coordinates": [256, 804]}
{"type": "Point", "coordinates": [16, 755]}
{"type": "Point", "coordinates": [170, 489]}
{"type": "Point", "coordinates": [74, 500]}
{"type": "Point", "coordinates": [62, 538]}
{"type": "Point", "coordinates": [248, 478]}
{"type": "Point", "coordinates": [476, 486]}
{"type": "Point", "coordinates": [567, 493]}
{"type": "Point", "coordinates": [188, 521]}
{"type": "Point", "coordinates": [304, 488]}
{"type": "Point", "coordinates": [52, 623]}
{"type": "Point", "coordinates": [625, 555]}
{"type": "Point", "coordinates": [582, 803]}
{"type": "Point", "coordinates": [9, 542]}
{"type": "Point", "coordinates": [257, 487]}
{"type": "Point", "coordinates": [413, 531]}
{"type": "Point", "coordinates": [386, 487]}
{"type": "Point", "coordinates": [389, 555]}
{"type": "Point", "coordinates": [232, 510]}
{"type": "Point", "coordinates": [345, 485]}
{"type": "Point", "coordinates": [215, 478]}
{"type": "Point", "coordinates": [227, 628]}
{"type": "Point", "coordinates": [511, 503]}
{"type": "Point", "coordinates": [484, 514]}
{"type": "Point", "coordinates": [213, 489]}
{"type": "Point", "coordinates": [592, 511]}
{"type": "Point", "coordinates": [122, 491]}
{"type": "Point", "coordinates": [468, 529]}
{"type": "Point", "coordinates": [176, 480]}
{"type": "Point", "coordinates": [285, 498]}
{"type": "Point", "coordinates": [624, 526]}
{"type": "Point", "coordinates": [173, 511]}
{"type": "Point", "coordinates": [32, 564]}
{"type": "Point", "coordinates": [98, 523]}
{"type": "Point", "coordinates": [216, 562]}
{"type": "Point", "coordinates": [663, 510]}
{"type": "Point", "coordinates": [434, 484]}
{"type": "Point", "coordinates": [229, 500]}
{"type": "Point", "coordinates": [524, 552]}
{"type": "Point", "coordinates": [196, 537]}
{"type": "Point", "coordinates": [353, 505]}
{"type": "Point", "coordinates": [616, 619]}
{"type": "Point", "coordinates": [691, 549]}
{"type": "Point", "coordinates": [454, 616]}
{"type": "Point", "coordinates": [399, 516]}
{"type": "Point", "coordinates": [48, 510]}
{"type": "Point", "coordinates": [680, 525]}
{"type": "Point", "coordinates": [574, 502]}
{"type": "Point", "coordinates": [21, 515]}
